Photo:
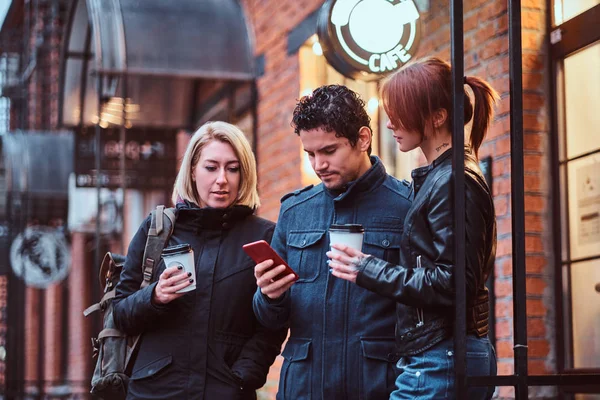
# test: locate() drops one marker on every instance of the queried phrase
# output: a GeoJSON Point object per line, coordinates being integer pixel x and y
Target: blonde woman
{"type": "Point", "coordinates": [205, 343]}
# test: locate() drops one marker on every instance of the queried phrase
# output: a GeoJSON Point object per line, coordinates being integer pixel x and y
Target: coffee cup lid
{"type": "Point", "coordinates": [178, 249]}
{"type": "Point", "coordinates": [350, 228]}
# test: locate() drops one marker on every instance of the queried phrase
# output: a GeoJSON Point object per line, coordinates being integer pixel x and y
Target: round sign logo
{"type": "Point", "coordinates": [365, 39]}
{"type": "Point", "coordinates": [40, 256]}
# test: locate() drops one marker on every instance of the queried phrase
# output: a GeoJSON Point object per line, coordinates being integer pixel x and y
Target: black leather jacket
{"type": "Point", "coordinates": [423, 283]}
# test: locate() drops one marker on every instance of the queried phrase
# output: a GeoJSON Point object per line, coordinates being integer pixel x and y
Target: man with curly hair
{"type": "Point", "coordinates": [341, 343]}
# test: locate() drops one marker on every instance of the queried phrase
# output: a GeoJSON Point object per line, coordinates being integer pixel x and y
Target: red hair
{"type": "Point", "coordinates": [412, 94]}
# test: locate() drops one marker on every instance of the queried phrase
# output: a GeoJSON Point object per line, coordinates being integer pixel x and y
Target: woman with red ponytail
{"type": "Point", "coordinates": [418, 101]}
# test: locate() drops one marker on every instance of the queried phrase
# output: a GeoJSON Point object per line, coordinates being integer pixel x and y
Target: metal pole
{"type": "Point", "coordinates": [98, 152]}
{"type": "Point", "coordinates": [517, 197]}
{"type": "Point", "coordinates": [458, 177]}
{"type": "Point", "coordinates": [123, 137]}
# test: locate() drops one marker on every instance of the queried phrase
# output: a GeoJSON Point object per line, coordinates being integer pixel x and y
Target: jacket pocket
{"type": "Point", "coordinates": [296, 372]}
{"type": "Point", "coordinates": [305, 254]}
{"type": "Point", "coordinates": [383, 245]}
{"type": "Point", "coordinates": [151, 369]}
{"type": "Point", "coordinates": [377, 372]}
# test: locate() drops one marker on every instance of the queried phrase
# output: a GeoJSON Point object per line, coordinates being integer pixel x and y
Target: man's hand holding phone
{"type": "Point", "coordinates": [265, 275]}
{"type": "Point", "coordinates": [273, 275]}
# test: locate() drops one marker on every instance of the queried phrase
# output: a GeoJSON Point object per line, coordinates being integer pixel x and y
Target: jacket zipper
{"type": "Point", "coordinates": [420, 317]}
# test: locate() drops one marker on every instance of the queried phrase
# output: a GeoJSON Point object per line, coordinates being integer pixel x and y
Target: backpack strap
{"type": "Point", "coordinates": [161, 226]}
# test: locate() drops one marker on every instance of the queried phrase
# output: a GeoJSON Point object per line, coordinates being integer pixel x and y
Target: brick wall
{"type": "Point", "coordinates": [278, 148]}
{"type": "Point", "coordinates": [486, 55]}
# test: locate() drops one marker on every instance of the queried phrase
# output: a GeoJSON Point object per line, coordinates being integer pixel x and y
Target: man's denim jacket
{"type": "Point", "coordinates": [341, 343]}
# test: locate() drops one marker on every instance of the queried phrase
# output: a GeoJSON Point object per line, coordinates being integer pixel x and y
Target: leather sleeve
{"type": "Point", "coordinates": [433, 285]}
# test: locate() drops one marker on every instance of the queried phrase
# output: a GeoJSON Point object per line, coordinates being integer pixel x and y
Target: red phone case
{"type": "Point", "coordinates": [260, 251]}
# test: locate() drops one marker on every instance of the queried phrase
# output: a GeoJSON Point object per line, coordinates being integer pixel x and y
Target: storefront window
{"type": "Point", "coordinates": [578, 86]}
{"type": "Point", "coordinates": [564, 10]}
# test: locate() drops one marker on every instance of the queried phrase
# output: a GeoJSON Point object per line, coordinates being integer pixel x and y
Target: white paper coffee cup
{"type": "Point", "coordinates": [350, 235]}
{"type": "Point", "coordinates": [181, 255]}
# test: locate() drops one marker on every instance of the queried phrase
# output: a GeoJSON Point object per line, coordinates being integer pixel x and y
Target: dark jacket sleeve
{"type": "Point", "coordinates": [274, 313]}
{"type": "Point", "coordinates": [134, 311]}
{"type": "Point", "coordinates": [260, 351]}
{"type": "Point", "coordinates": [433, 285]}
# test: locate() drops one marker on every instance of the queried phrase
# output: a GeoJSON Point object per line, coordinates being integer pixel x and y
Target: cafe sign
{"type": "Point", "coordinates": [367, 39]}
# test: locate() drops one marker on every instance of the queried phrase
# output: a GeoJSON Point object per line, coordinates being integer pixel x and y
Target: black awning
{"type": "Point", "coordinates": [187, 38]}
{"type": "Point", "coordinates": [152, 53]}
{"type": "Point", "coordinates": [34, 175]}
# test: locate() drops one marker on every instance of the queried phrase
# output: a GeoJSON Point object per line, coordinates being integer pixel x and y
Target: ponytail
{"type": "Point", "coordinates": [485, 98]}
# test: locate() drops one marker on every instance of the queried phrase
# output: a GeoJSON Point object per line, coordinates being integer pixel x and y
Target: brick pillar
{"type": "Point", "coordinates": [3, 329]}
{"type": "Point", "coordinates": [32, 348]}
{"type": "Point", "coordinates": [52, 331]}
{"type": "Point", "coordinates": [79, 348]}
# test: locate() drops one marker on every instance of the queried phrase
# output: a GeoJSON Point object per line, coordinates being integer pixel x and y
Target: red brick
{"type": "Point", "coordinates": [532, 162]}
{"type": "Point", "coordinates": [535, 4]}
{"type": "Point", "coordinates": [532, 40]}
{"type": "Point", "coordinates": [506, 392]}
{"type": "Point", "coordinates": [500, 84]}
{"type": "Point", "coordinates": [504, 267]}
{"type": "Point", "coordinates": [503, 288]}
{"type": "Point", "coordinates": [471, 22]}
{"type": "Point", "coordinates": [486, 32]}
{"type": "Point", "coordinates": [494, 47]}
{"type": "Point", "coordinates": [500, 167]}
{"type": "Point", "coordinates": [501, 205]}
{"type": "Point", "coordinates": [534, 223]}
{"type": "Point", "coordinates": [504, 308]}
{"type": "Point", "coordinates": [535, 285]}
{"type": "Point", "coordinates": [504, 247]}
{"type": "Point", "coordinates": [504, 225]}
{"type": "Point", "coordinates": [504, 349]}
{"type": "Point", "coordinates": [533, 62]}
{"type": "Point", "coordinates": [535, 264]}
{"type": "Point", "coordinates": [534, 122]}
{"type": "Point", "coordinates": [501, 186]}
{"type": "Point", "coordinates": [532, 183]}
{"type": "Point", "coordinates": [537, 367]}
{"type": "Point", "coordinates": [533, 142]}
{"type": "Point", "coordinates": [534, 203]}
{"type": "Point", "coordinates": [536, 328]}
{"type": "Point", "coordinates": [534, 244]}
{"type": "Point", "coordinates": [502, 146]}
{"type": "Point", "coordinates": [506, 368]}
{"type": "Point", "coordinates": [536, 308]}
{"type": "Point", "coordinates": [533, 101]}
{"type": "Point", "coordinates": [538, 348]}
{"type": "Point", "coordinates": [500, 127]}
{"type": "Point", "coordinates": [497, 67]}
{"type": "Point", "coordinates": [493, 9]}
{"type": "Point", "coordinates": [533, 20]}
{"type": "Point", "coordinates": [504, 329]}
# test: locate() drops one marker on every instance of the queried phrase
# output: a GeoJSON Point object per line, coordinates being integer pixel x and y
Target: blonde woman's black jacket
{"type": "Point", "coordinates": [425, 296]}
{"type": "Point", "coordinates": [207, 344]}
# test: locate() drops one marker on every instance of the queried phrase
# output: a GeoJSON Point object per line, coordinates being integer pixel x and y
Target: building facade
{"type": "Point", "coordinates": [291, 54]}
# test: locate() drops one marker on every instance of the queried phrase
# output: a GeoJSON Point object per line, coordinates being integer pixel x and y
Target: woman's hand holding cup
{"type": "Point", "coordinates": [170, 281]}
{"type": "Point", "coordinates": [344, 261]}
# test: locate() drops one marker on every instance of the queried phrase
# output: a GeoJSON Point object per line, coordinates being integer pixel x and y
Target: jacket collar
{"type": "Point", "coordinates": [212, 218]}
{"type": "Point", "coordinates": [423, 171]}
{"type": "Point", "coordinates": [366, 182]}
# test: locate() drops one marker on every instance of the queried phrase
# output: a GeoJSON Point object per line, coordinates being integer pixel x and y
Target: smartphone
{"type": "Point", "coordinates": [261, 251]}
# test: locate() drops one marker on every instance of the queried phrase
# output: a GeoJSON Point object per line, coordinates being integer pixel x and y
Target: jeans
{"type": "Point", "coordinates": [430, 375]}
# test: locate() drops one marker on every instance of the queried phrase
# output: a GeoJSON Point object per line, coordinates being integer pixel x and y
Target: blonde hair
{"type": "Point", "coordinates": [185, 188]}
